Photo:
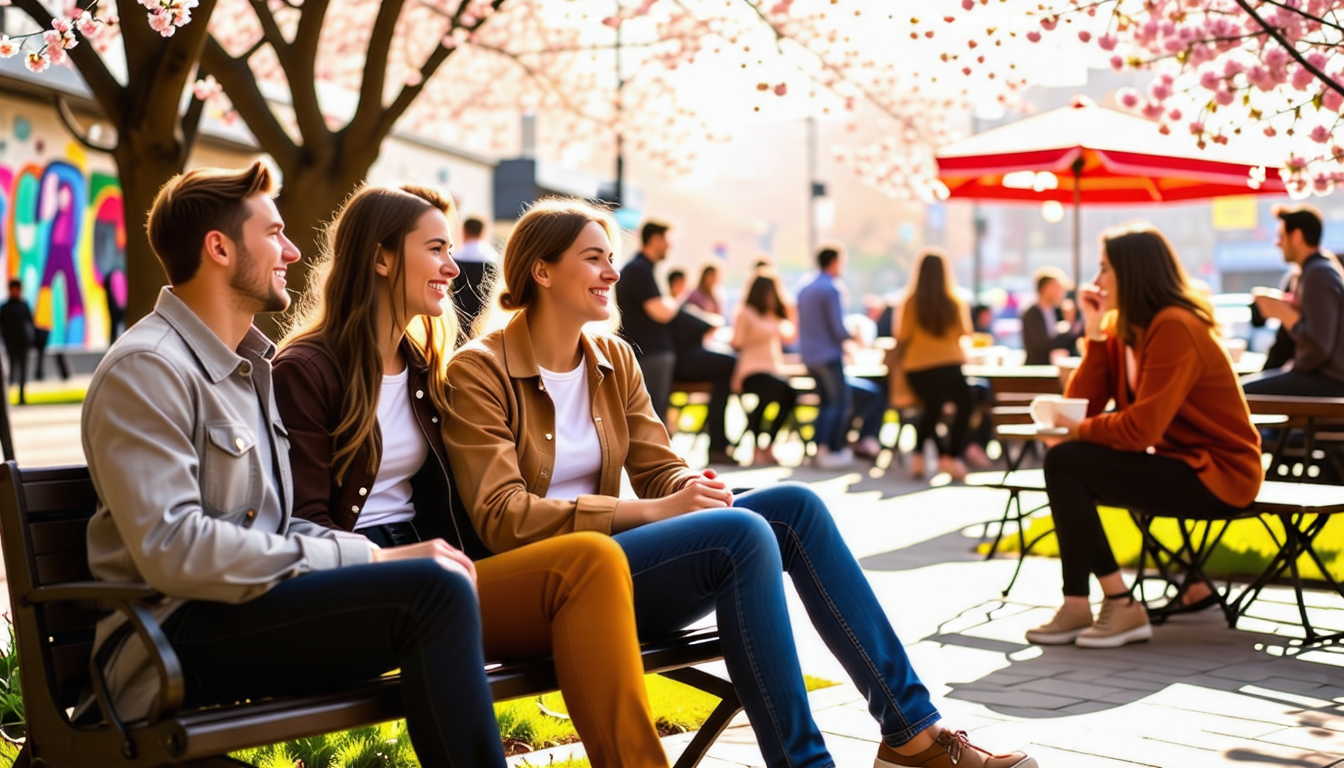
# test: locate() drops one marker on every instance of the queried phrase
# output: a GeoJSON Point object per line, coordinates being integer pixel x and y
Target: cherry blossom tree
{"type": "Point", "coordinates": [1224, 68]}
{"type": "Point", "coordinates": [138, 83]}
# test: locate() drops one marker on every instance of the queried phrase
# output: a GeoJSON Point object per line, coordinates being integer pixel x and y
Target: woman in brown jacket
{"type": "Point", "coordinates": [1179, 442]}
{"type": "Point", "coordinates": [546, 412]}
{"type": "Point", "coordinates": [360, 386]}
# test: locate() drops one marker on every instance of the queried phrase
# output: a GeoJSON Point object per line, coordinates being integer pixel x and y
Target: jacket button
{"type": "Point", "coordinates": [434, 419]}
{"type": "Point", "coordinates": [363, 491]}
{"type": "Point", "coordinates": [541, 385]}
{"type": "Point", "coordinates": [355, 509]}
{"type": "Point", "coordinates": [598, 420]}
{"type": "Point", "coordinates": [251, 513]}
{"type": "Point", "coordinates": [238, 443]}
{"type": "Point", "coordinates": [244, 369]}
{"type": "Point", "coordinates": [419, 394]}
{"type": "Point", "coordinates": [548, 436]}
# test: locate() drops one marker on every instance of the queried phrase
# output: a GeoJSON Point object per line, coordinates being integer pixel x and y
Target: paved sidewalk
{"type": "Point", "coordinates": [1198, 695]}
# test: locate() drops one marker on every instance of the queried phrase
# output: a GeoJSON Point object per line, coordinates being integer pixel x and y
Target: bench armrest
{"type": "Point", "coordinates": [102, 591]}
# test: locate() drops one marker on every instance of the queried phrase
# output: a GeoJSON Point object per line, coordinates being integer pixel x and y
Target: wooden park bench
{"type": "Point", "coordinates": [1318, 420]}
{"type": "Point", "coordinates": [56, 603]}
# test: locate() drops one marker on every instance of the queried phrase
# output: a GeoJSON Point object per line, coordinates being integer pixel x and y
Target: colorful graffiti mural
{"type": "Point", "coordinates": [64, 237]}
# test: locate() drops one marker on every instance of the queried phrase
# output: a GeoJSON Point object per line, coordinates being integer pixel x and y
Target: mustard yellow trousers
{"type": "Point", "coordinates": [572, 597]}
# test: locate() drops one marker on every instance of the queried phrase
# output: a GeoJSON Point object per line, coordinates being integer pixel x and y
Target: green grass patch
{"type": "Point", "coordinates": [71, 394]}
{"type": "Point", "coordinates": [524, 725]}
{"type": "Point", "coordinates": [1244, 550]}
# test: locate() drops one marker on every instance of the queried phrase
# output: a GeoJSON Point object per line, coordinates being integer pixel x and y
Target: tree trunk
{"type": "Point", "coordinates": [143, 169]}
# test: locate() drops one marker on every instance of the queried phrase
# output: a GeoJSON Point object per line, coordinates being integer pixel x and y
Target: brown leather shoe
{"type": "Point", "coordinates": [951, 750]}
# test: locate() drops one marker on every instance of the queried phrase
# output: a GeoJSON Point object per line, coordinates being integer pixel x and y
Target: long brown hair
{"type": "Point", "coordinates": [339, 313]}
{"type": "Point", "coordinates": [763, 287]}
{"type": "Point", "coordinates": [544, 233]}
{"type": "Point", "coordinates": [1148, 278]}
{"type": "Point", "coordinates": [936, 307]}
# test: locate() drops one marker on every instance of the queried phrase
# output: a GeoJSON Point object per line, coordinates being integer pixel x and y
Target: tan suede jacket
{"type": "Point", "coordinates": [500, 435]}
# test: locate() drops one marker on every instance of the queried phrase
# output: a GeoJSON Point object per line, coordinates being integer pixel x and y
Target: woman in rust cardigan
{"type": "Point", "coordinates": [1179, 440]}
{"type": "Point", "coordinates": [360, 386]}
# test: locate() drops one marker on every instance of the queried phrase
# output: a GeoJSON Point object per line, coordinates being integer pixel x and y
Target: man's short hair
{"type": "Point", "coordinates": [652, 229]}
{"type": "Point", "coordinates": [1045, 275]}
{"type": "Point", "coordinates": [675, 275]}
{"type": "Point", "coordinates": [827, 256]}
{"type": "Point", "coordinates": [473, 227]}
{"type": "Point", "coordinates": [1302, 218]}
{"type": "Point", "coordinates": [193, 204]}
{"type": "Point", "coordinates": [15, 283]}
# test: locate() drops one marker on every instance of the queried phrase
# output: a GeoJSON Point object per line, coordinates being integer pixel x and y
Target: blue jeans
{"type": "Point", "coordinates": [327, 630]}
{"type": "Point", "coordinates": [840, 393]}
{"type": "Point", "coordinates": [731, 561]}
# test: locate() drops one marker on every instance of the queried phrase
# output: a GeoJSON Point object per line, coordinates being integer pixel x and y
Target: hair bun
{"type": "Point", "coordinates": [506, 301]}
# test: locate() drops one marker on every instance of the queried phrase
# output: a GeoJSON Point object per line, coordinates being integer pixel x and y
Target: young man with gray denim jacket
{"type": "Point", "coordinates": [191, 464]}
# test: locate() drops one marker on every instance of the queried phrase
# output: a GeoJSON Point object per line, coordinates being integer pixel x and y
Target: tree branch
{"type": "Point", "coordinates": [1303, 14]}
{"type": "Point", "coordinates": [1290, 48]}
{"type": "Point", "coordinates": [80, 135]}
{"type": "Point", "coordinates": [269, 28]}
{"type": "Point", "coordinates": [241, 86]}
{"type": "Point", "coordinates": [389, 116]}
{"type": "Point", "coordinates": [109, 94]}
{"type": "Point", "coordinates": [162, 91]}
{"type": "Point", "coordinates": [370, 107]}
{"type": "Point", "coordinates": [299, 60]}
{"type": "Point", "coordinates": [140, 44]}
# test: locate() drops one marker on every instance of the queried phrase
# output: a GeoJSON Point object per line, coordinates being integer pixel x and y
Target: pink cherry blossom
{"type": "Point", "coordinates": [1331, 99]}
{"type": "Point", "coordinates": [1117, 62]}
{"type": "Point", "coordinates": [37, 62]}
{"type": "Point", "coordinates": [1128, 98]}
{"type": "Point", "coordinates": [1084, 35]}
{"type": "Point", "coordinates": [1107, 42]}
{"type": "Point", "coordinates": [8, 47]}
{"type": "Point", "coordinates": [1320, 134]}
{"type": "Point", "coordinates": [1197, 127]}
{"type": "Point", "coordinates": [1034, 36]}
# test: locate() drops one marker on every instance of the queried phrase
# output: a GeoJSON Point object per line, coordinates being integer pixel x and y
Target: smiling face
{"type": "Point", "coordinates": [263, 254]}
{"type": "Point", "coordinates": [429, 265]}
{"type": "Point", "coordinates": [579, 283]}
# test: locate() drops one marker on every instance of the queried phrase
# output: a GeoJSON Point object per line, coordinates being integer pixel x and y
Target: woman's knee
{"type": "Point", "coordinates": [1062, 460]}
{"type": "Point", "coordinates": [597, 553]}
{"type": "Point", "coordinates": [792, 504]}
{"type": "Point", "coordinates": [424, 584]}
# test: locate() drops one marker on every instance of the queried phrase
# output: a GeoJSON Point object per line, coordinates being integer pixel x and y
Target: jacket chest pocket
{"type": "Point", "coordinates": [230, 468]}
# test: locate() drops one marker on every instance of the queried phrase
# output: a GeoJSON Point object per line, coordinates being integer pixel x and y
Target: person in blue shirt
{"type": "Point", "coordinates": [822, 340]}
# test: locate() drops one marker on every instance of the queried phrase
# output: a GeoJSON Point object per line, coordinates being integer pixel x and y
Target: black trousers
{"type": "Point", "coordinates": [18, 367]}
{"type": "Point", "coordinates": [327, 630]}
{"type": "Point", "coordinates": [1303, 383]}
{"type": "Point", "coordinates": [657, 369]}
{"type": "Point", "coordinates": [1079, 476]}
{"type": "Point", "coordinates": [938, 387]}
{"type": "Point", "coordinates": [699, 364]}
{"type": "Point", "coordinates": [768, 389]}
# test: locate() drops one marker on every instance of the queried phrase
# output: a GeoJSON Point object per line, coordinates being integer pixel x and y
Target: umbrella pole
{"type": "Point", "coordinates": [1077, 221]}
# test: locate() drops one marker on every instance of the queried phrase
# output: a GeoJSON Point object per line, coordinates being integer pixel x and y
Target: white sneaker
{"type": "Point", "coordinates": [841, 459]}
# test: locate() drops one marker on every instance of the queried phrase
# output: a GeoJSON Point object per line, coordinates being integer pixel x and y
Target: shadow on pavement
{"type": "Point", "coordinates": [1195, 650]}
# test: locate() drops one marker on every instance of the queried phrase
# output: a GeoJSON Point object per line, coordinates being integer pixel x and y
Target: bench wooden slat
{"type": "Point", "coordinates": [58, 535]}
{"type": "Point", "coordinates": [70, 670]}
{"type": "Point", "coordinates": [1286, 405]}
{"type": "Point", "coordinates": [59, 495]}
{"type": "Point", "coordinates": [60, 567]}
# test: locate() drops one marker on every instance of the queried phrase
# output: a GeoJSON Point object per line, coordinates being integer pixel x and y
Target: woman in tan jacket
{"type": "Point", "coordinates": [546, 412]}
{"type": "Point", "coordinates": [933, 322]}
{"type": "Point", "coordinates": [360, 386]}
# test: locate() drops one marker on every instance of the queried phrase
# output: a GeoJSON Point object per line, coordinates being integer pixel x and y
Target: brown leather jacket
{"type": "Point", "coordinates": [500, 434]}
{"type": "Point", "coordinates": [309, 389]}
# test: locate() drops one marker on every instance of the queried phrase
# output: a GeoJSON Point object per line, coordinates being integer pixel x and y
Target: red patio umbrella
{"type": "Point", "coordinates": [1086, 154]}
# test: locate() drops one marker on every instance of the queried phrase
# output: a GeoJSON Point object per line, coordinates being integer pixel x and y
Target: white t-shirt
{"type": "Point", "coordinates": [578, 453]}
{"type": "Point", "coordinates": [404, 452]}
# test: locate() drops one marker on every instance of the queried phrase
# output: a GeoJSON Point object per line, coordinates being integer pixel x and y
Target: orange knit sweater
{"type": "Point", "coordinates": [1187, 404]}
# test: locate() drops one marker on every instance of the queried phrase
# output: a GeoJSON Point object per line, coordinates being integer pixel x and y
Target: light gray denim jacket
{"type": "Point", "coordinates": [187, 501]}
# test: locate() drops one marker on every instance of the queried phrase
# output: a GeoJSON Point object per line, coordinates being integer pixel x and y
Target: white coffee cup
{"type": "Point", "coordinates": [1046, 409]}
